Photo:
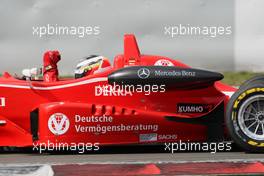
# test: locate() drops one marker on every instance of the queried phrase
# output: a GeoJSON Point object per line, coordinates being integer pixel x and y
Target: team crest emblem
{"type": "Point", "coordinates": [58, 124]}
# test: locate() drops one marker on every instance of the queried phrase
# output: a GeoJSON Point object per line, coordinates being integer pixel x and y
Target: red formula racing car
{"type": "Point", "coordinates": [140, 99]}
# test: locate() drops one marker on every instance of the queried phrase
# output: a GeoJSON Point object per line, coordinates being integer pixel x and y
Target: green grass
{"type": "Point", "coordinates": [236, 78]}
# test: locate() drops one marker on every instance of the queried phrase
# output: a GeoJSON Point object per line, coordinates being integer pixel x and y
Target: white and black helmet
{"type": "Point", "coordinates": [88, 63]}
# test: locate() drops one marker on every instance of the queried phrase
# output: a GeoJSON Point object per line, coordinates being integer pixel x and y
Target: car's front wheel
{"type": "Point", "coordinates": [245, 117]}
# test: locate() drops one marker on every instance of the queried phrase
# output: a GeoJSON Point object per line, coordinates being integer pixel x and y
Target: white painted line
{"type": "Point", "coordinates": [44, 170]}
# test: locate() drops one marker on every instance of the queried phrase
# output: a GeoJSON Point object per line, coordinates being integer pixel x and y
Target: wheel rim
{"type": "Point", "coordinates": [251, 117]}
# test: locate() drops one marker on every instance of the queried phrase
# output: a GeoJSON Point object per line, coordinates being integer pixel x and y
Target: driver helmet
{"type": "Point", "coordinates": [91, 65]}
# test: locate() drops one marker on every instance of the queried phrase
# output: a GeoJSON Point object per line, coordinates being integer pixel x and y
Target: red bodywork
{"type": "Point", "coordinates": [132, 119]}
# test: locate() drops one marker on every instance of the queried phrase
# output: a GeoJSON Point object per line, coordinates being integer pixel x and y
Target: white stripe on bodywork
{"type": "Point", "coordinates": [228, 93]}
{"type": "Point", "coordinates": [89, 81]}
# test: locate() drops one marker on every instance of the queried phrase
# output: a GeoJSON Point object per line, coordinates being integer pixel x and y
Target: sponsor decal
{"type": "Point", "coordinates": [257, 144]}
{"type": "Point", "coordinates": [148, 137]}
{"type": "Point", "coordinates": [167, 136]}
{"type": "Point", "coordinates": [143, 73]}
{"type": "Point", "coordinates": [182, 73]}
{"type": "Point", "coordinates": [163, 62]}
{"type": "Point", "coordinates": [244, 94]}
{"type": "Point", "coordinates": [58, 124]}
{"type": "Point", "coordinates": [194, 108]}
{"type": "Point", "coordinates": [93, 119]}
{"type": "Point", "coordinates": [104, 124]}
{"type": "Point", "coordinates": [2, 102]}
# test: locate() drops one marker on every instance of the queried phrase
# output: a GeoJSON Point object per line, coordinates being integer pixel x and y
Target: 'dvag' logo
{"type": "Point", "coordinates": [163, 62]}
{"type": "Point", "coordinates": [143, 73]}
{"type": "Point", "coordinates": [58, 123]}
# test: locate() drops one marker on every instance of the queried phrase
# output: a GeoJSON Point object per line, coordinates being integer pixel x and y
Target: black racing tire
{"type": "Point", "coordinates": [251, 81]}
{"type": "Point", "coordinates": [245, 116]}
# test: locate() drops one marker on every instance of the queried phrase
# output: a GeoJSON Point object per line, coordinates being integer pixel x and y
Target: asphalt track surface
{"type": "Point", "coordinates": [29, 159]}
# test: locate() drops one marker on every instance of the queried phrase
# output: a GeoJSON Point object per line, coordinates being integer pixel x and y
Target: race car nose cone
{"type": "Point", "coordinates": [170, 76]}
